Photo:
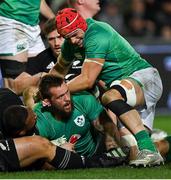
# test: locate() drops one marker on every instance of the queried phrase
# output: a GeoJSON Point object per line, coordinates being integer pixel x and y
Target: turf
{"type": "Point", "coordinates": [162, 172]}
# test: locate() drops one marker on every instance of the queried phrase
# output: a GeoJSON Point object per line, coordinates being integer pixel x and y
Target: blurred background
{"type": "Point", "coordinates": [146, 24]}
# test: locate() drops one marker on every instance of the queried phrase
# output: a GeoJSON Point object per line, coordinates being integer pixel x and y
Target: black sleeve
{"type": "Point", "coordinates": [74, 70]}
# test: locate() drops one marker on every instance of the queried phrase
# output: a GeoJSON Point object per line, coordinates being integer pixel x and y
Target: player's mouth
{"type": "Point", "coordinates": [80, 43]}
{"type": "Point", "coordinates": [67, 106]}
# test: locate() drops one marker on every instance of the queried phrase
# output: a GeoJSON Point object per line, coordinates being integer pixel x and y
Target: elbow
{"type": "Point", "coordinates": [89, 83]}
{"type": "Point", "coordinates": [17, 87]}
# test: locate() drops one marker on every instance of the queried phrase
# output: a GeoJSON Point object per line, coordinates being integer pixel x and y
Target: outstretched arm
{"type": "Point", "coordinates": [45, 10]}
{"type": "Point", "coordinates": [23, 81]}
{"type": "Point", "coordinates": [32, 148]}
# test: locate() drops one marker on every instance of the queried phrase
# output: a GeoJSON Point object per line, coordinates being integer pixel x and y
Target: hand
{"type": "Point", "coordinates": [42, 74]}
{"type": "Point", "coordinates": [56, 73]}
{"type": "Point", "coordinates": [68, 146]}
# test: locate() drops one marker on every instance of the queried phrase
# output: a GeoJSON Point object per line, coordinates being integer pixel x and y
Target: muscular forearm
{"type": "Point", "coordinates": [23, 82]}
{"type": "Point", "coordinates": [88, 76]}
{"type": "Point", "coordinates": [79, 83]}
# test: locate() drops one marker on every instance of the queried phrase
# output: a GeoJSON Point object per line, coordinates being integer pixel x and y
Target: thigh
{"type": "Point", "coordinates": [151, 83]}
{"type": "Point", "coordinates": [129, 90]}
{"type": "Point", "coordinates": [36, 44]}
{"type": "Point", "coordinates": [152, 90]}
{"type": "Point", "coordinates": [14, 40]}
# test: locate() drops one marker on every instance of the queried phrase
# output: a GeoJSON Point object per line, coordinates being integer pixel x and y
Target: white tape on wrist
{"type": "Point", "coordinates": [59, 141]}
{"type": "Point", "coordinates": [129, 140]}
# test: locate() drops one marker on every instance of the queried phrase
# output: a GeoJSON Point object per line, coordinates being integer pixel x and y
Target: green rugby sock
{"type": "Point", "coordinates": [144, 141]}
{"type": "Point", "coordinates": [168, 155]}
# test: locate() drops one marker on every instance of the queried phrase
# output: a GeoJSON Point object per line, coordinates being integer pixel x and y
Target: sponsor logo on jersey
{"type": "Point", "coordinates": [74, 138]}
{"type": "Point", "coordinates": [76, 64]}
{"type": "Point", "coordinates": [22, 45]}
{"type": "Point", "coordinates": [50, 66]}
{"type": "Point", "coordinates": [80, 121]}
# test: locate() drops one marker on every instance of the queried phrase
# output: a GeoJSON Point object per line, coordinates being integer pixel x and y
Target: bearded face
{"type": "Point", "coordinates": [60, 101]}
{"type": "Point", "coordinates": [62, 111]}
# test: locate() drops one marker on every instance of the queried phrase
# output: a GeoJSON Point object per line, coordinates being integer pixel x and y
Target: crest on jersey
{"type": "Point", "coordinates": [80, 121]}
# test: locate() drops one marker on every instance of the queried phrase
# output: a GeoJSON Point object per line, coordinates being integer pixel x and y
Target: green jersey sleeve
{"type": "Point", "coordinates": [43, 123]}
{"type": "Point", "coordinates": [97, 47]}
{"type": "Point", "coordinates": [67, 51]}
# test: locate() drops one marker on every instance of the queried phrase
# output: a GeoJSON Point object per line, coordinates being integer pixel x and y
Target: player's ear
{"type": "Point", "coordinates": [80, 1]}
{"type": "Point", "coordinates": [46, 102]}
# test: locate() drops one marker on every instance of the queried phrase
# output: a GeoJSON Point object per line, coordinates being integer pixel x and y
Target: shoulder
{"type": "Point", "coordinates": [83, 98]}
{"type": "Point", "coordinates": [37, 107]}
{"type": "Point", "coordinates": [81, 95]}
{"type": "Point", "coordinates": [98, 26]}
{"type": "Point", "coordinates": [98, 32]}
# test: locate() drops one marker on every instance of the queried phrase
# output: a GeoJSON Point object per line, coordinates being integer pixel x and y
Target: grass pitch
{"type": "Point", "coordinates": [162, 172]}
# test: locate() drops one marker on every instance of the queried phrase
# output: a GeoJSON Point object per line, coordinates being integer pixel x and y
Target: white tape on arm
{"type": "Point", "coordinates": [93, 61]}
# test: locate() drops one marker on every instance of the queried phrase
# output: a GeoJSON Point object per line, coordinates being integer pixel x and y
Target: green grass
{"type": "Point", "coordinates": [162, 172]}
{"type": "Point", "coordinates": [164, 123]}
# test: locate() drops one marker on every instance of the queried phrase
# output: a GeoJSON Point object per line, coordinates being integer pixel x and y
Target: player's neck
{"type": "Point", "coordinates": [85, 14]}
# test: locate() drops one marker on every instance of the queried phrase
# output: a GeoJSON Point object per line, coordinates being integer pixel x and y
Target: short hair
{"type": "Point", "coordinates": [49, 26]}
{"type": "Point", "coordinates": [46, 83]}
{"type": "Point", "coordinates": [14, 120]}
{"type": "Point", "coordinates": [7, 98]}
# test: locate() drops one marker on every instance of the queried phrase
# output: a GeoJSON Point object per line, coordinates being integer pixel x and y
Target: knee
{"type": "Point", "coordinates": [110, 96]}
{"type": "Point", "coordinates": [126, 91]}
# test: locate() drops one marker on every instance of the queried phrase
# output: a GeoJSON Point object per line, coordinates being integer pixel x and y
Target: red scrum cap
{"type": "Point", "coordinates": [68, 20]}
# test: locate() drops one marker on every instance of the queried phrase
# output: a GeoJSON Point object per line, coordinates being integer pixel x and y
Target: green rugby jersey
{"type": "Point", "coordinates": [102, 41]}
{"type": "Point", "coordinates": [25, 11]}
{"type": "Point", "coordinates": [85, 109]}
